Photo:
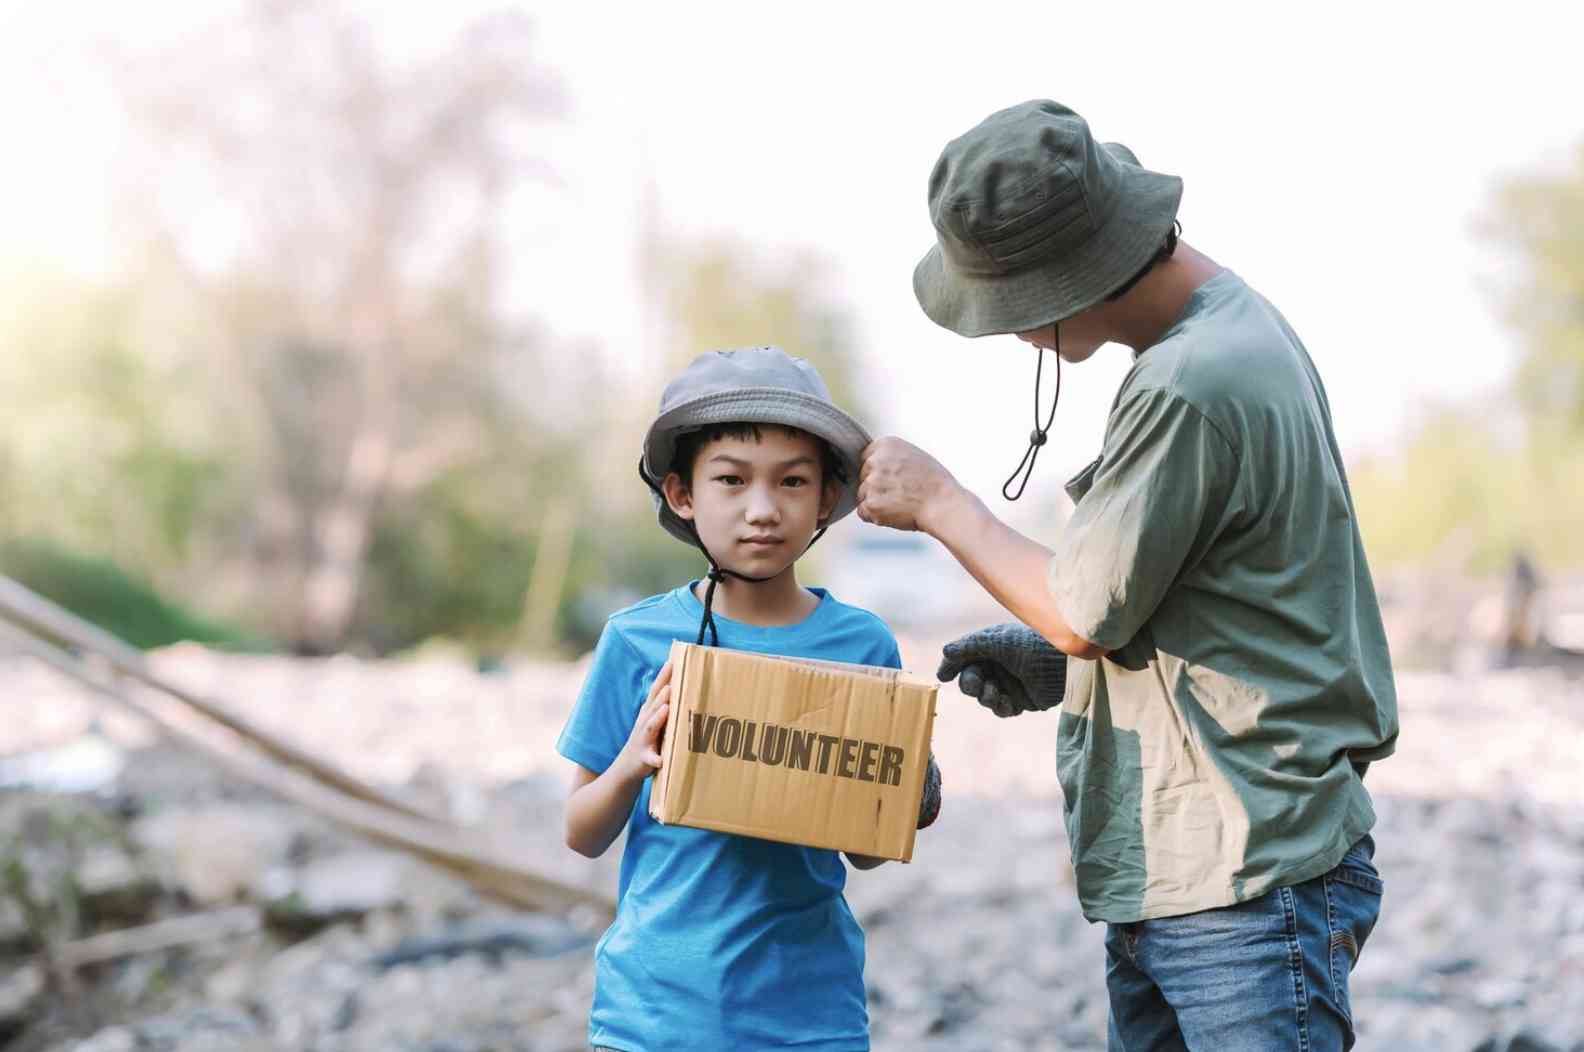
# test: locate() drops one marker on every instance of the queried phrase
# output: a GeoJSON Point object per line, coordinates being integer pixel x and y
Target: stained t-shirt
{"type": "Point", "coordinates": [720, 941]}
{"type": "Point", "coordinates": [1214, 550]}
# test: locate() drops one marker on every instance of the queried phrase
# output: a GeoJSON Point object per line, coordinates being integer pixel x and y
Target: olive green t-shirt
{"type": "Point", "coordinates": [1214, 551]}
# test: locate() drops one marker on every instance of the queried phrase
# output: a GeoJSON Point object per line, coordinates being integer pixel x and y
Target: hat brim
{"type": "Point", "coordinates": [754, 405]}
{"type": "Point", "coordinates": [990, 304]}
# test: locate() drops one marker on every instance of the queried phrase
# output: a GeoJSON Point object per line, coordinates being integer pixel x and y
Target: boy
{"type": "Point", "coordinates": [725, 942]}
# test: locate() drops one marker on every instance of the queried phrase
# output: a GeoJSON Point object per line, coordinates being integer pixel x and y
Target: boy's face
{"type": "Point", "coordinates": [755, 504]}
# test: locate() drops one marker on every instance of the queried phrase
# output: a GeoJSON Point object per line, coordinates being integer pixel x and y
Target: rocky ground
{"type": "Point", "coordinates": [977, 945]}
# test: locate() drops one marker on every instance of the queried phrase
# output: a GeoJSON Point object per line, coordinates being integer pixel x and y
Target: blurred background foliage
{"type": "Point", "coordinates": [1474, 484]}
{"type": "Point", "coordinates": [329, 431]}
{"type": "Point", "coordinates": [325, 428]}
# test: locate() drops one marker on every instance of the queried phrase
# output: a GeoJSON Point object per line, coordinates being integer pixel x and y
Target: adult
{"type": "Point", "coordinates": [1206, 624]}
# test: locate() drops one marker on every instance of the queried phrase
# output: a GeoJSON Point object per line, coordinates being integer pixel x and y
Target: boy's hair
{"type": "Point", "coordinates": [689, 443]}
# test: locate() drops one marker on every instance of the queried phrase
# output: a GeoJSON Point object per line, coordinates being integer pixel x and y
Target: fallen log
{"type": "Point", "coordinates": [39, 617]}
{"type": "Point", "coordinates": [161, 935]}
{"type": "Point", "coordinates": [473, 855]}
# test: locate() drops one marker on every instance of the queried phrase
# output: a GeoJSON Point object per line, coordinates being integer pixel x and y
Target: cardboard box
{"type": "Point", "coordinates": [805, 752]}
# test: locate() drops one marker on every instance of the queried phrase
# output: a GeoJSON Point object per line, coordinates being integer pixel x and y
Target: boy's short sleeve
{"type": "Point", "coordinates": [883, 651]}
{"type": "Point", "coordinates": [1157, 494]}
{"type": "Point", "coordinates": [607, 706]}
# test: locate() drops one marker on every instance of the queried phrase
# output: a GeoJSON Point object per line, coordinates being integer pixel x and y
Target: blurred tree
{"type": "Point", "coordinates": [1540, 218]}
{"type": "Point", "coordinates": [102, 449]}
{"type": "Point", "coordinates": [336, 212]}
{"type": "Point", "coordinates": [1462, 485]}
{"type": "Point", "coordinates": [706, 296]}
{"type": "Point", "coordinates": [101, 592]}
{"type": "Point", "coordinates": [312, 410]}
{"type": "Point", "coordinates": [1461, 495]}
{"type": "Point", "coordinates": [1448, 488]}
{"type": "Point", "coordinates": [718, 296]}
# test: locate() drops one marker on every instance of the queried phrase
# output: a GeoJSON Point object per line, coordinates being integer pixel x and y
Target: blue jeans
{"type": "Point", "coordinates": [1267, 975]}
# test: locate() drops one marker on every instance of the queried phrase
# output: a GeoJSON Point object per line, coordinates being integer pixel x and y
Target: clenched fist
{"type": "Point", "coordinates": [900, 484]}
{"type": "Point", "coordinates": [1009, 668]}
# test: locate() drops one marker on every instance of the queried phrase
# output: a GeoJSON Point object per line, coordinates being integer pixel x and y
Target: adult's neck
{"type": "Point", "coordinates": [1142, 317]}
{"type": "Point", "coordinates": [767, 604]}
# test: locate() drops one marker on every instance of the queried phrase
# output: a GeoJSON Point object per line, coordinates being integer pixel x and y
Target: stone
{"type": "Point", "coordinates": [1452, 964]}
{"type": "Point", "coordinates": [1523, 1041]}
{"type": "Point", "coordinates": [110, 1039]}
{"type": "Point", "coordinates": [1500, 993]}
{"type": "Point", "coordinates": [980, 938]}
{"type": "Point", "coordinates": [115, 891]}
{"type": "Point", "coordinates": [336, 889]}
{"type": "Point", "coordinates": [215, 853]}
{"type": "Point", "coordinates": [956, 1006]}
{"type": "Point", "coordinates": [21, 991]}
{"type": "Point", "coordinates": [530, 936]}
{"type": "Point", "coordinates": [15, 937]}
{"type": "Point", "coordinates": [87, 764]}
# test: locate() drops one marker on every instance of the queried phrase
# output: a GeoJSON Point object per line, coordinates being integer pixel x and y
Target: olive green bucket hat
{"type": "Point", "coordinates": [1036, 222]}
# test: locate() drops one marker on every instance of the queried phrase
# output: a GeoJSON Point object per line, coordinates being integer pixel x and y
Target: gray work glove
{"type": "Point", "coordinates": [930, 802]}
{"type": "Point", "coordinates": [1010, 668]}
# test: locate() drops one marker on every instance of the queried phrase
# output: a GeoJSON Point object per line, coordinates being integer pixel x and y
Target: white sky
{"type": "Point", "coordinates": [1336, 156]}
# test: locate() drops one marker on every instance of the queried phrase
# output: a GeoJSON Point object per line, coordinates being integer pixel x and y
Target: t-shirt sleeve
{"type": "Point", "coordinates": [890, 653]}
{"type": "Point", "coordinates": [1156, 500]}
{"type": "Point", "coordinates": [860, 637]}
{"type": "Point", "coordinates": [613, 692]}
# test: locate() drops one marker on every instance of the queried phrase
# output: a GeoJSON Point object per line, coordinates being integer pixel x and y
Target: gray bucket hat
{"type": "Point", "coordinates": [1036, 222]}
{"type": "Point", "coordinates": [758, 385]}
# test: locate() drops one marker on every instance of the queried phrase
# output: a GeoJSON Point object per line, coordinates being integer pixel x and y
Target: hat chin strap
{"type": "Point", "coordinates": [1041, 432]}
{"type": "Point", "coordinates": [717, 572]}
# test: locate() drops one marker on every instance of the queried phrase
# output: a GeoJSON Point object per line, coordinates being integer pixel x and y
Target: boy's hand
{"type": "Point", "coordinates": [640, 757]}
{"type": "Point", "coordinates": [930, 802]}
{"type": "Point", "coordinates": [929, 810]}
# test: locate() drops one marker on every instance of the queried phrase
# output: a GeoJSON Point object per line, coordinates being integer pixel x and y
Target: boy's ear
{"type": "Point", "coordinates": [679, 497]}
{"type": "Point", "coordinates": [830, 493]}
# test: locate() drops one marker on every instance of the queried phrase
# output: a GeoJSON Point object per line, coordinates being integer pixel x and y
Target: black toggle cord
{"type": "Point", "coordinates": [1041, 434]}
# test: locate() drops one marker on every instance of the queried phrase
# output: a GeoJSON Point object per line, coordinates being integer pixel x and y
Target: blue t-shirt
{"type": "Point", "coordinates": [720, 941]}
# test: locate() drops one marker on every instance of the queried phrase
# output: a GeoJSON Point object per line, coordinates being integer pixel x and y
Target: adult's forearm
{"type": "Point", "coordinates": [1011, 567]}
{"type": "Point", "coordinates": [597, 812]}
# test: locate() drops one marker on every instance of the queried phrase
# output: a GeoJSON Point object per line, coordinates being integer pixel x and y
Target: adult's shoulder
{"type": "Point", "coordinates": [1230, 355]}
